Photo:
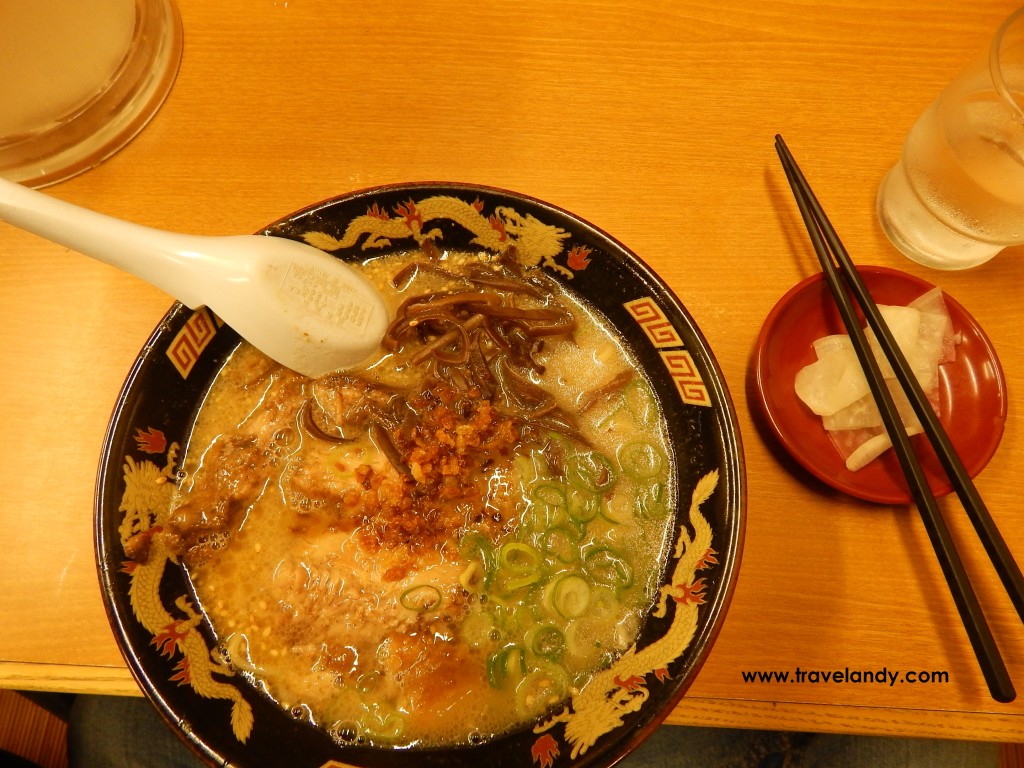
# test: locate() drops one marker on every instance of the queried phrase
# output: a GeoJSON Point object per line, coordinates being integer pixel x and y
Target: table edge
{"type": "Point", "coordinates": [693, 711]}
{"type": "Point", "coordinates": [848, 719]}
{"type": "Point", "coordinates": [67, 678]}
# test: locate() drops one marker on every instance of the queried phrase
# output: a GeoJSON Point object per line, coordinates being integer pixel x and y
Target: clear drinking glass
{"type": "Point", "coordinates": [79, 79]}
{"type": "Point", "coordinates": [956, 198]}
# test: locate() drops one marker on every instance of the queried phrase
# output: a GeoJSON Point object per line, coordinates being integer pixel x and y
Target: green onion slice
{"type": "Point", "coordinates": [519, 558]}
{"type": "Point", "coordinates": [475, 546]}
{"type": "Point", "coordinates": [541, 690]}
{"type": "Point", "coordinates": [423, 597]}
{"type": "Point", "coordinates": [584, 505]}
{"type": "Point", "coordinates": [546, 640]}
{"type": "Point", "coordinates": [653, 501]}
{"type": "Point", "coordinates": [507, 665]}
{"type": "Point", "coordinates": [549, 494]}
{"type": "Point", "coordinates": [570, 596]}
{"type": "Point", "coordinates": [609, 567]}
{"type": "Point", "coordinates": [641, 460]}
{"type": "Point", "coordinates": [591, 471]}
{"type": "Point", "coordinates": [562, 542]}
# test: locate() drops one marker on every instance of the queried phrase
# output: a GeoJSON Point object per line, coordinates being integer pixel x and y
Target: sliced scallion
{"type": "Point", "coordinates": [506, 666]}
{"type": "Point", "coordinates": [570, 595]}
{"type": "Point", "coordinates": [476, 546]}
{"type": "Point", "coordinates": [541, 690]}
{"type": "Point", "coordinates": [519, 557]}
{"type": "Point", "coordinates": [610, 567]}
{"type": "Point", "coordinates": [549, 494]}
{"type": "Point", "coordinates": [562, 542]}
{"type": "Point", "coordinates": [583, 505]}
{"type": "Point", "coordinates": [591, 471]}
{"type": "Point", "coordinates": [422, 597]}
{"type": "Point", "coordinates": [653, 501]}
{"type": "Point", "coordinates": [641, 460]}
{"type": "Point", "coordinates": [472, 577]}
{"type": "Point", "coordinates": [546, 640]}
{"type": "Point", "coordinates": [525, 580]}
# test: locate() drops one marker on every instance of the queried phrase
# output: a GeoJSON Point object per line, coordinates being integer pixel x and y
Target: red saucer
{"type": "Point", "coordinates": [972, 389]}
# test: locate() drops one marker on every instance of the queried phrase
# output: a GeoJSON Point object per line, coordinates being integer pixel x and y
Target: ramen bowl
{"type": "Point", "coordinates": [172, 648]}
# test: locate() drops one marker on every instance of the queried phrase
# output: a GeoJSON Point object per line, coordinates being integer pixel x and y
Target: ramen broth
{"type": "Point", "coordinates": [443, 545]}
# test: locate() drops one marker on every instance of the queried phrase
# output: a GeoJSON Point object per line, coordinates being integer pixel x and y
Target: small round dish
{"type": "Point", "coordinates": [972, 390]}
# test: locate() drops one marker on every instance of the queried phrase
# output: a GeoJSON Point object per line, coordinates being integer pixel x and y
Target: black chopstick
{"type": "Point", "coordinates": [995, 546]}
{"type": "Point", "coordinates": [821, 231]}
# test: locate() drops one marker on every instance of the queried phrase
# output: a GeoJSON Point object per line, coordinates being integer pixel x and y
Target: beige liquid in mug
{"type": "Point", "coordinates": [52, 61]}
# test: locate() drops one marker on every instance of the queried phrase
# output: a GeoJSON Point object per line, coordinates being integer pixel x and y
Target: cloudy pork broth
{"type": "Point", "coordinates": [446, 543]}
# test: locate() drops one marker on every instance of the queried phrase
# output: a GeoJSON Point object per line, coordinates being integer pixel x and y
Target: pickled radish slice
{"type": "Point", "coordinates": [870, 449]}
{"type": "Point", "coordinates": [835, 388]}
{"type": "Point", "coordinates": [905, 326]}
{"type": "Point", "coordinates": [932, 303]}
{"type": "Point", "coordinates": [833, 382]}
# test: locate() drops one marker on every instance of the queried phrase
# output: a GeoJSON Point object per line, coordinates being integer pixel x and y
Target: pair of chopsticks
{"type": "Point", "coordinates": [828, 247]}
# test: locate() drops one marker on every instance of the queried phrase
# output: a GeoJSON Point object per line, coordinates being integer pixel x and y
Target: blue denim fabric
{"type": "Point", "coordinates": [683, 747]}
{"type": "Point", "coordinates": [121, 732]}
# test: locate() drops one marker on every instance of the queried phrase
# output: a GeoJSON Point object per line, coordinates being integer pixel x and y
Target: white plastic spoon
{"type": "Point", "coordinates": [302, 307]}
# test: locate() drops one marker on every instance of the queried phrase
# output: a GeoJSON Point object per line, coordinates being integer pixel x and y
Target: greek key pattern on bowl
{"type": "Point", "coordinates": [686, 376]}
{"type": "Point", "coordinates": [663, 336]}
{"type": "Point", "coordinates": [191, 340]}
{"type": "Point", "coordinates": [658, 328]}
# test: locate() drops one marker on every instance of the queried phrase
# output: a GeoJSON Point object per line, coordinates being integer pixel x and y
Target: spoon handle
{"type": "Point", "coordinates": [179, 264]}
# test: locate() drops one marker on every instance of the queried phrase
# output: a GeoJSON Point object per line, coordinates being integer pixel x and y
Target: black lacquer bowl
{"type": "Point", "coordinates": [170, 646]}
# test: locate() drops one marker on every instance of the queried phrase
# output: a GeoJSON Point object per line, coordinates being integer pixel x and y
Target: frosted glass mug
{"type": "Point", "coordinates": [956, 197]}
{"type": "Point", "coordinates": [79, 79]}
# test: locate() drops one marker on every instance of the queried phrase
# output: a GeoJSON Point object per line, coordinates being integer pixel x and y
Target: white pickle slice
{"type": "Point", "coordinates": [835, 388]}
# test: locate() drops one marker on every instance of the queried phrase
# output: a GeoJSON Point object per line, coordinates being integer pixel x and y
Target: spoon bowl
{"type": "Point", "coordinates": [302, 307]}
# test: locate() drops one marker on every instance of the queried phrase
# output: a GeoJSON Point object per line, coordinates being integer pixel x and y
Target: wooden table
{"type": "Point", "coordinates": [655, 121]}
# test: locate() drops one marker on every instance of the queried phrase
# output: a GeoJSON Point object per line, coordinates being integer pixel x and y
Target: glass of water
{"type": "Point", "coordinates": [79, 79]}
{"type": "Point", "coordinates": [956, 197]}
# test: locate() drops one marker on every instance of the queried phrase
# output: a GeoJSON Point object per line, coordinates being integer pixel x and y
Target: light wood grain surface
{"type": "Point", "coordinates": [654, 121]}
